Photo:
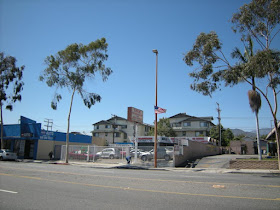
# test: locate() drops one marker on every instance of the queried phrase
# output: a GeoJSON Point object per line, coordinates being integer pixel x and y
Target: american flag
{"type": "Point", "coordinates": [159, 110]}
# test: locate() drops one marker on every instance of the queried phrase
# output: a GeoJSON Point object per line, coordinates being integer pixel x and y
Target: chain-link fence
{"type": "Point", "coordinates": [121, 155]}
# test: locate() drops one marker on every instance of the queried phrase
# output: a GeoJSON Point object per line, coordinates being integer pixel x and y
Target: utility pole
{"type": "Point", "coordinates": [49, 124]}
{"type": "Point", "coordinates": [220, 127]}
{"type": "Point", "coordinates": [114, 127]}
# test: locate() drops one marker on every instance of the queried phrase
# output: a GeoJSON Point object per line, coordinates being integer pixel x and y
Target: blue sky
{"type": "Point", "coordinates": [31, 30]}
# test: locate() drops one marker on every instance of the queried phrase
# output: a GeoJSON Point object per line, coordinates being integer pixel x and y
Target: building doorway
{"type": "Point", "coordinates": [29, 149]}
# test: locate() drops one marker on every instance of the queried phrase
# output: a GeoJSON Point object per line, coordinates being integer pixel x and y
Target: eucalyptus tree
{"type": "Point", "coordinates": [10, 85]}
{"type": "Point", "coordinates": [226, 137]}
{"type": "Point", "coordinates": [70, 68]}
{"type": "Point", "coordinates": [259, 19]}
{"type": "Point", "coordinates": [164, 128]}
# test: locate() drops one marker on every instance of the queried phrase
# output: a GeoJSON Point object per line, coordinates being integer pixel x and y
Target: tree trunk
{"type": "Point", "coordinates": [68, 128]}
{"type": "Point", "coordinates": [2, 130]}
{"type": "Point", "coordinates": [258, 136]}
{"type": "Point", "coordinates": [277, 140]}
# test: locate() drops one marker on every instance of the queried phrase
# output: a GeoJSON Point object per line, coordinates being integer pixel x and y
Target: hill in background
{"type": "Point", "coordinates": [252, 134]}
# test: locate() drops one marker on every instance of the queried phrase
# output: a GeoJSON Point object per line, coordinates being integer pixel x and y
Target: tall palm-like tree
{"type": "Point", "coordinates": [254, 97]}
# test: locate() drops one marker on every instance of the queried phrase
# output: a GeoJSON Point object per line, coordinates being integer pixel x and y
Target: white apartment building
{"type": "Point", "coordinates": [118, 130]}
{"type": "Point", "coordinates": [190, 126]}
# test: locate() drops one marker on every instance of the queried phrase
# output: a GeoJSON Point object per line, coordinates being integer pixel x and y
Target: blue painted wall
{"type": "Point", "coordinates": [30, 126]}
{"type": "Point", "coordinates": [26, 120]}
{"type": "Point", "coordinates": [11, 130]}
{"type": "Point", "coordinates": [59, 136]}
{"type": "Point", "coordinates": [74, 138]}
{"type": "Point", "coordinates": [26, 126]}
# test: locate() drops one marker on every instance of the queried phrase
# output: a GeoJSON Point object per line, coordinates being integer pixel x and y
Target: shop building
{"type": "Point", "coordinates": [30, 142]}
{"type": "Point", "coordinates": [22, 138]}
{"type": "Point", "coordinates": [51, 141]}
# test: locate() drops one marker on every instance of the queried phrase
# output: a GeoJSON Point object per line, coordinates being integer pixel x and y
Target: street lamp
{"type": "Point", "coordinates": [155, 142]}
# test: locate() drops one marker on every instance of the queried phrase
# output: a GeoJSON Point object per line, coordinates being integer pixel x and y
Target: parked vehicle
{"type": "Point", "coordinates": [162, 153]}
{"type": "Point", "coordinates": [110, 153]}
{"type": "Point", "coordinates": [139, 152]}
{"type": "Point", "coordinates": [80, 155]}
{"type": "Point", "coordinates": [170, 152]}
{"type": "Point", "coordinates": [123, 151]}
{"type": "Point", "coordinates": [131, 152]}
{"type": "Point", "coordinates": [7, 154]}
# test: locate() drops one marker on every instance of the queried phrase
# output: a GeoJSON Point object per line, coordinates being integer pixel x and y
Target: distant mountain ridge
{"type": "Point", "coordinates": [253, 134]}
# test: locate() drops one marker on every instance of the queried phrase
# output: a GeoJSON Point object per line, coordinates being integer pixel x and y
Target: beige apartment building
{"type": "Point", "coordinates": [117, 130]}
{"type": "Point", "coordinates": [190, 126]}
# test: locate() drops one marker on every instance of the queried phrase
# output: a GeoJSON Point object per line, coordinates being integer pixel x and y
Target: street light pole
{"type": "Point", "coordinates": [155, 142]}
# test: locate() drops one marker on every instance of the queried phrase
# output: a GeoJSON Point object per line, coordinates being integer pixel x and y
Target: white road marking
{"type": "Point", "coordinates": [7, 191]}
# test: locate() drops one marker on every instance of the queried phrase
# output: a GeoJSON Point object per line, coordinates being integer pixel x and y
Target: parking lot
{"type": "Point", "coordinates": [120, 155]}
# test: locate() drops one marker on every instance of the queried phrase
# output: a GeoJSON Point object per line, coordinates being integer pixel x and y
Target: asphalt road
{"type": "Point", "coordinates": [48, 186]}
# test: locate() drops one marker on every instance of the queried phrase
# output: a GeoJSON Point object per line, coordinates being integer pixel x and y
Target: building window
{"type": "Point", "coordinates": [176, 125]}
{"type": "Point", "coordinates": [199, 133]}
{"type": "Point", "coordinates": [106, 134]}
{"type": "Point", "coordinates": [117, 134]}
{"type": "Point", "coordinates": [184, 133]}
{"type": "Point", "coordinates": [125, 136]}
{"type": "Point", "coordinates": [107, 126]}
{"type": "Point", "coordinates": [147, 128]}
{"type": "Point", "coordinates": [96, 134]}
{"type": "Point", "coordinates": [187, 124]}
{"type": "Point", "coordinates": [97, 127]}
{"type": "Point", "coordinates": [203, 124]}
{"type": "Point", "coordinates": [124, 126]}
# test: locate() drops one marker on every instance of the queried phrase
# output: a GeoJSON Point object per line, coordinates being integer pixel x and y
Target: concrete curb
{"type": "Point", "coordinates": [137, 167]}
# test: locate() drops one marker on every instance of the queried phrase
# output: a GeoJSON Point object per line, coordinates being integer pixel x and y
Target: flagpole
{"type": "Point", "coordinates": [155, 142]}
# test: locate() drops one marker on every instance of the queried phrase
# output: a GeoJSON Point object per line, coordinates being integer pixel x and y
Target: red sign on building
{"type": "Point", "coordinates": [134, 115]}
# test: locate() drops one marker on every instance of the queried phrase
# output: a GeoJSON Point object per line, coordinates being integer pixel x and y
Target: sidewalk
{"type": "Point", "coordinates": [140, 167]}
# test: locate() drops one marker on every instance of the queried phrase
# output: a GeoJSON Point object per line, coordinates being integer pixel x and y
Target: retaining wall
{"type": "Point", "coordinates": [254, 164]}
{"type": "Point", "coordinates": [195, 150]}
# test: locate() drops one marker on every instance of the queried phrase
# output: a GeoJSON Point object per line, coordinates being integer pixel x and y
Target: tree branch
{"type": "Point", "coordinates": [217, 67]}
{"type": "Point", "coordinates": [220, 58]}
{"type": "Point", "coordinates": [256, 37]}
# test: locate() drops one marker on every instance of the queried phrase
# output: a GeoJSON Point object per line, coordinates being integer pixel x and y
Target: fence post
{"type": "Point", "coordinates": [88, 154]}
{"type": "Point", "coordinates": [94, 153]}
{"type": "Point", "coordinates": [136, 143]}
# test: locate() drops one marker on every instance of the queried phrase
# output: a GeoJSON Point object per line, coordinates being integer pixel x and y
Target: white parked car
{"type": "Point", "coordinates": [110, 153]}
{"type": "Point", "coordinates": [162, 153]}
{"type": "Point", "coordinates": [7, 154]}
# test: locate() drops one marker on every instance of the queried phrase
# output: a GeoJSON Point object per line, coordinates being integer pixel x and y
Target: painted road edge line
{"type": "Point", "coordinates": [7, 191]}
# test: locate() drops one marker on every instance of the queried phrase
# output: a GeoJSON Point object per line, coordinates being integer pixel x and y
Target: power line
{"type": "Point", "coordinates": [246, 118]}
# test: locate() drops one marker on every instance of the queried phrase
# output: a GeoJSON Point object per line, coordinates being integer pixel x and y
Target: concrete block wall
{"type": "Point", "coordinates": [194, 151]}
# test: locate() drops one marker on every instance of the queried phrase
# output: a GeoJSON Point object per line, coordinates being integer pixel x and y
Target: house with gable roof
{"type": "Point", "coordinates": [190, 126]}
